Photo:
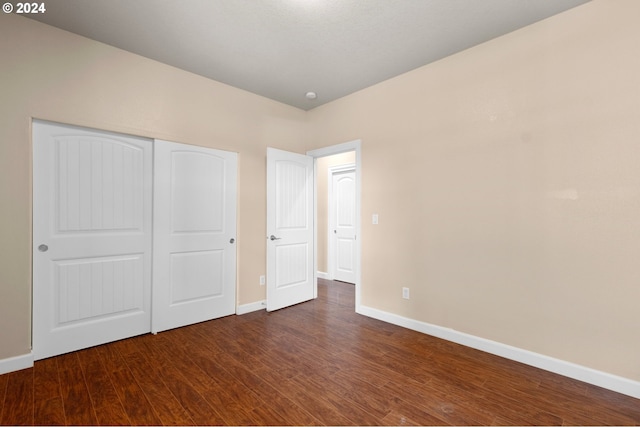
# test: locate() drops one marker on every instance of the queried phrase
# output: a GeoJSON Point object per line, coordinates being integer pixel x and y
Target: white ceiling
{"type": "Point", "coordinates": [282, 49]}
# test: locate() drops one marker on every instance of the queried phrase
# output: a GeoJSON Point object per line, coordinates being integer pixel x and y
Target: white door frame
{"type": "Point", "coordinates": [331, 247]}
{"type": "Point", "coordinates": [329, 151]}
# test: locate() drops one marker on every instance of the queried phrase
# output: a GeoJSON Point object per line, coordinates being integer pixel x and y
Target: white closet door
{"type": "Point", "coordinates": [91, 237]}
{"type": "Point", "coordinates": [194, 250]}
{"type": "Point", "coordinates": [290, 228]}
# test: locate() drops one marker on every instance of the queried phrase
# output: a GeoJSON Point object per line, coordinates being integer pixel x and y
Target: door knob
{"type": "Point", "coordinates": [274, 237]}
{"type": "Point", "coordinates": [232, 240]}
{"type": "Point", "coordinates": [43, 248]}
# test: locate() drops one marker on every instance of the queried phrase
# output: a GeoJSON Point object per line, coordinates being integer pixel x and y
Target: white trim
{"type": "Point", "coordinates": [16, 363]}
{"type": "Point", "coordinates": [315, 227]}
{"type": "Point", "coordinates": [336, 149]}
{"type": "Point", "coordinates": [322, 275]}
{"type": "Point", "coordinates": [328, 151]}
{"type": "Point", "coordinates": [567, 369]}
{"type": "Point", "coordinates": [342, 168]}
{"type": "Point", "coordinates": [252, 306]}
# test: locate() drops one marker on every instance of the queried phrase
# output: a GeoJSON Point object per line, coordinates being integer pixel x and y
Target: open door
{"type": "Point", "coordinates": [290, 245]}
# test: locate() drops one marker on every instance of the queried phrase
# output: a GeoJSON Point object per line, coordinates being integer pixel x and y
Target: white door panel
{"type": "Point", "coordinates": [343, 225]}
{"type": "Point", "coordinates": [194, 234]}
{"type": "Point", "coordinates": [91, 237]}
{"type": "Point", "coordinates": [289, 229]}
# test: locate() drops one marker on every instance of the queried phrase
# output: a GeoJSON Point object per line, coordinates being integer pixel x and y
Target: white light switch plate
{"type": "Point", "coordinates": [374, 219]}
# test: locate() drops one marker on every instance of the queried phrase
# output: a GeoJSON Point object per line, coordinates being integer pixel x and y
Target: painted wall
{"type": "Point", "coordinates": [51, 74]}
{"type": "Point", "coordinates": [322, 203]}
{"type": "Point", "coordinates": [507, 183]}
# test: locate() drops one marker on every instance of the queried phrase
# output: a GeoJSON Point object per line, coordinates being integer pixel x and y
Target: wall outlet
{"type": "Point", "coordinates": [405, 293]}
{"type": "Point", "coordinates": [262, 280]}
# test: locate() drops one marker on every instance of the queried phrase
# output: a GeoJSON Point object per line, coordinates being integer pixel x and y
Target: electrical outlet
{"type": "Point", "coordinates": [405, 293]}
{"type": "Point", "coordinates": [262, 280]}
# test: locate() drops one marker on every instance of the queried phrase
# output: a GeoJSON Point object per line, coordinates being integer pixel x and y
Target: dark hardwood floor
{"type": "Point", "coordinates": [311, 364]}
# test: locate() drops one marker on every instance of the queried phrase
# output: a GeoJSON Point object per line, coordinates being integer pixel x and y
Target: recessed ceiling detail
{"type": "Point", "coordinates": [279, 48]}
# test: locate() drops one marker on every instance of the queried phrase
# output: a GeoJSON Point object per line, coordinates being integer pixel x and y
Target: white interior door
{"type": "Point", "coordinates": [290, 245]}
{"type": "Point", "coordinates": [194, 250]}
{"type": "Point", "coordinates": [343, 225]}
{"type": "Point", "coordinates": [91, 237]}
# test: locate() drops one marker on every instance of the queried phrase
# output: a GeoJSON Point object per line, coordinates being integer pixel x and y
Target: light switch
{"type": "Point", "coordinates": [374, 219]}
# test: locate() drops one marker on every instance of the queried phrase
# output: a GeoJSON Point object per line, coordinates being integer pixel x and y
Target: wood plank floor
{"type": "Point", "coordinates": [312, 364]}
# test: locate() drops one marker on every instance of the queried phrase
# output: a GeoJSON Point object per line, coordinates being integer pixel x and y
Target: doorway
{"type": "Point", "coordinates": [292, 200]}
{"type": "Point", "coordinates": [337, 158]}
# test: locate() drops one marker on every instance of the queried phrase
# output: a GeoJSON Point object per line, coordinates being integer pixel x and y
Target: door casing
{"type": "Point", "coordinates": [356, 146]}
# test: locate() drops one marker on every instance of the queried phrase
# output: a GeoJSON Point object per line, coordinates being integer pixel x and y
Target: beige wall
{"type": "Point", "coordinates": [507, 183]}
{"type": "Point", "coordinates": [506, 177]}
{"type": "Point", "coordinates": [50, 74]}
{"type": "Point", "coordinates": [322, 203]}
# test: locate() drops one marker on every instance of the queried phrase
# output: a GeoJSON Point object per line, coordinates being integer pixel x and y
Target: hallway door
{"type": "Point", "coordinates": [342, 217]}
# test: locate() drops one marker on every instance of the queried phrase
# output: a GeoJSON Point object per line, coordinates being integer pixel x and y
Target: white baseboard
{"type": "Point", "coordinates": [16, 363]}
{"type": "Point", "coordinates": [323, 275]}
{"type": "Point", "coordinates": [561, 367]}
{"type": "Point", "coordinates": [254, 306]}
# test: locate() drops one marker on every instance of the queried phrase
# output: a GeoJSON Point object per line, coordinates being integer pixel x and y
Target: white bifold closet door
{"type": "Point", "coordinates": [110, 263]}
{"type": "Point", "coordinates": [194, 223]}
{"type": "Point", "coordinates": [91, 237]}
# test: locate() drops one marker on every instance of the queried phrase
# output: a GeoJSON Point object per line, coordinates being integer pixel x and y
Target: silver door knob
{"type": "Point", "coordinates": [43, 248]}
{"type": "Point", "coordinates": [274, 237]}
